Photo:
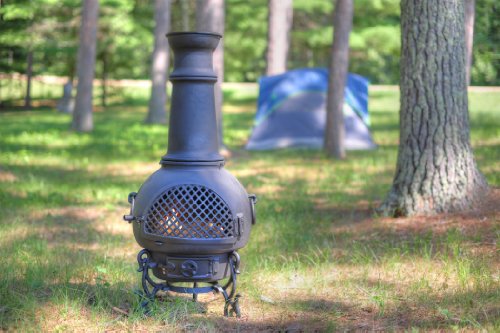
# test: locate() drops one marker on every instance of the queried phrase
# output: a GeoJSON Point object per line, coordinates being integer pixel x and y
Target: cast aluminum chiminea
{"type": "Point", "coordinates": [192, 215]}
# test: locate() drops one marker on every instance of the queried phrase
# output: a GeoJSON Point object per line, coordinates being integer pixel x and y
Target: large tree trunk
{"type": "Point", "coordinates": [157, 112]}
{"type": "Point", "coordinates": [435, 171]}
{"type": "Point", "coordinates": [210, 17]}
{"type": "Point", "coordinates": [339, 63]}
{"type": "Point", "coordinates": [29, 76]}
{"type": "Point", "coordinates": [469, 34]}
{"type": "Point", "coordinates": [82, 115]}
{"type": "Point", "coordinates": [278, 35]}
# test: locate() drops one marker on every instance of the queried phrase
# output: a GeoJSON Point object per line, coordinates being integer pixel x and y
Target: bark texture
{"type": "Point", "coordinates": [157, 110]}
{"type": "Point", "coordinates": [339, 63]}
{"type": "Point", "coordinates": [470, 12]}
{"type": "Point", "coordinates": [278, 35]}
{"type": "Point", "coordinates": [436, 171]}
{"type": "Point", "coordinates": [210, 16]}
{"type": "Point", "coordinates": [82, 115]}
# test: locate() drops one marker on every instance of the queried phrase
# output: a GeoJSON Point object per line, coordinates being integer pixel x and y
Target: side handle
{"type": "Point", "coordinates": [253, 201]}
{"type": "Point", "coordinates": [131, 199]}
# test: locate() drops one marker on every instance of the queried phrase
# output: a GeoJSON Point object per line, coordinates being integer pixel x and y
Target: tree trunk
{"type": "Point", "coordinates": [210, 17]}
{"type": "Point", "coordinates": [157, 112]}
{"type": "Point", "coordinates": [436, 171]}
{"type": "Point", "coordinates": [469, 34]}
{"type": "Point", "coordinates": [278, 35]}
{"type": "Point", "coordinates": [65, 104]}
{"type": "Point", "coordinates": [104, 77]}
{"type": "Point", "coordinates": [185, 15]}
{"type": "Point", "coordinates": [339, 63]}
{"type": "Point", "coordinates": [82, 115]}
{"type": "Point", "coordinates": [29, 76]}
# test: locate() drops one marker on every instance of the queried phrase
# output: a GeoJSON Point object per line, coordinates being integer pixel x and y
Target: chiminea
{"type": "Point", "coordinates": [192, 215]}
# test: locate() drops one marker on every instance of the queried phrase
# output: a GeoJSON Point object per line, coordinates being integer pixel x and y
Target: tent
{"type": "Point", "coordinates": [291, 111]}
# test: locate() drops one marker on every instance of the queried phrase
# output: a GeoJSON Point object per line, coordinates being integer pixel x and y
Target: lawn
{"type": "Point", "coordinates": [318, 259]}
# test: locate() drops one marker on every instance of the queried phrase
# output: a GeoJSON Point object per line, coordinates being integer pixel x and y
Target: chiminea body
{"type": "Point", "coordinates": [192, 214]}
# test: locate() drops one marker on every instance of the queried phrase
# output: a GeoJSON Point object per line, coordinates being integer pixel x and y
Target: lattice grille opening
{"type": "Point", "coordinates": [190, 211]}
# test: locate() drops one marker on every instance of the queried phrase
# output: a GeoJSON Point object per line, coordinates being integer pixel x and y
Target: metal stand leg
{"type": "Point", "coordinates": [145, 263]}
{"type": "Point", "coordinates": [232, 304]}
{"type": "Point", "coordinates": [151, 288]}
{"type": "Point", "coordinates": [195, 295]}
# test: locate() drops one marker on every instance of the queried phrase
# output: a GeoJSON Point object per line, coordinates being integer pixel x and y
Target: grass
{"type": "Point", "coordinates": [318, 258]}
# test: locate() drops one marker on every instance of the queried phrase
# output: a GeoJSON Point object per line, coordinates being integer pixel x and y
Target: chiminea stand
{"type": "Point", "coordinates": [232, 299]}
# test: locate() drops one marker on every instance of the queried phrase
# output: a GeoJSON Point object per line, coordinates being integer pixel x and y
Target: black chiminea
{"type": "Point", "coordinates": [192, 215]}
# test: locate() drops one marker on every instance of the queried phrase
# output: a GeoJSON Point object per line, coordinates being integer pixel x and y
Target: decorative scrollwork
{"type": "Point", "coordinates": [151, 288]}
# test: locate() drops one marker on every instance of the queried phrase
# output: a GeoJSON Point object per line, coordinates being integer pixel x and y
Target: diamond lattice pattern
{"type": "Point", "coordinates": [190, 211]}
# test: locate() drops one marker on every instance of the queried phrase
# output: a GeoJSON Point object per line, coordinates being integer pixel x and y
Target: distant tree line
{"type": "Point", "coordinates": [47, 33]}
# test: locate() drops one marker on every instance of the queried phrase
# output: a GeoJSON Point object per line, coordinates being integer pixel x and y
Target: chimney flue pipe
{"type": "Point", "coordinates": [193, 135]}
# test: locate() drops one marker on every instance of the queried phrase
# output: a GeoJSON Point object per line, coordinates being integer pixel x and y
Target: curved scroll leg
{"type": "Point", "coordinates": [145, 264]}
{"type": "Point", "coordinates": [232, 304]}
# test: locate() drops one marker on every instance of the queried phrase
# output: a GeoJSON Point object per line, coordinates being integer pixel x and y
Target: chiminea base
{"type": "Point", "coordinates": [151, 288]}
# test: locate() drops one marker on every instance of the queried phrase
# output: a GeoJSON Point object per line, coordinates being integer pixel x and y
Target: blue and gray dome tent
{"type": "Point", "coordinates": [291, 111]}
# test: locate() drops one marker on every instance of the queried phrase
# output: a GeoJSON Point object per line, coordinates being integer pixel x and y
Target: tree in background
{"type": "Point", "coordinates": [157, 112]}
{"type": "Point", "coordinates": [339, 63]}
{"type": "Point", "coordinates": [185, 15]}
{"type": "Point", "coordinates": [278, 35]}
{"type": "Point", "coordinates": [210, 17]}
{"type": "Point", "coordinates": [32, 35]}
{"type": "Point", "coordinates": [436, 171]}
{"type": "Point", "coordinates": [469, 34]}
{"type": "Point", "coordinates": [125, 28]}
{"type": "Point", "coordinates": [82, 115]}
{"type": "Point", "coordinates": [486, 67]}
{"type": "Point", "coordinates": [244, 53]}
{"type": "Point", "coordinates": [29, 76]}
{"type": "Point", "coordinates": [17, 21]}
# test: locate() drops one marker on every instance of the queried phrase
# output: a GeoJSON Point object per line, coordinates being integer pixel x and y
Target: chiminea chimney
{"type": "Point", "coordinates": [191, 215]}
{"type": "Point", "coordinates": [193, 128]}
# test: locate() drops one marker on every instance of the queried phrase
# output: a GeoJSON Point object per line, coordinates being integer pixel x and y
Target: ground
{"type": "Point", "coordinates": [319, 258]}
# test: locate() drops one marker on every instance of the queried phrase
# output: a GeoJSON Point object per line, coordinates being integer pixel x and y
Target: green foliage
{"type": "Point", "coordinates": [374, 41]}
{"type": "Point", "coordinates": [245, 40]}
{"type": "Point", "coordinates": [376, 53]}
{"type": "Point", "coordinates": [486, 50]}
{"type": "Point", "coordinates": [48, 28]}
{"type": "Point", "coordinates": [124, 40]}
{"type": "Point", "coordinates": [125, 37]}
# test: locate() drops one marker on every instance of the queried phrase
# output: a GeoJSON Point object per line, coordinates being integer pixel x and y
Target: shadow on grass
{"type": "Point", "coordinates": [51, 187]}
{"type": "Point", "coordinates": [324, 314]}
{"type": "Point", "coordinates": [432, 312]}
{"type": "Point", "coordinates": [48, 256]}
{"type": "Point", "coordinates": [60, 271]}
{"type": "Point", "coordinates": [50, 135]}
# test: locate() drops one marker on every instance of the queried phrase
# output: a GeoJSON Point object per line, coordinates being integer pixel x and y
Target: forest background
{"type": "Point", "coordinates": [49, 30]}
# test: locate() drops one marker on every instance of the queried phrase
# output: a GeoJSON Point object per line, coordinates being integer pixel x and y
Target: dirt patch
{"type": "Point", "coordinates": [362, 221]}
{"type": "Point", "coordinates": [7, 176]}
{"type": "Point", "coordinates": [483, 218]}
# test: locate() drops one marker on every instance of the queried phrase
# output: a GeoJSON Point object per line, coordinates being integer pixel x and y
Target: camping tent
{"type": "Point", "coordinates": [291, 111]}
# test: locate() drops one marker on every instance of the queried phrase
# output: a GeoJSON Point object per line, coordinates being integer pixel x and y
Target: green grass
{"type": "Point", "coordinates": [318, 258]}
